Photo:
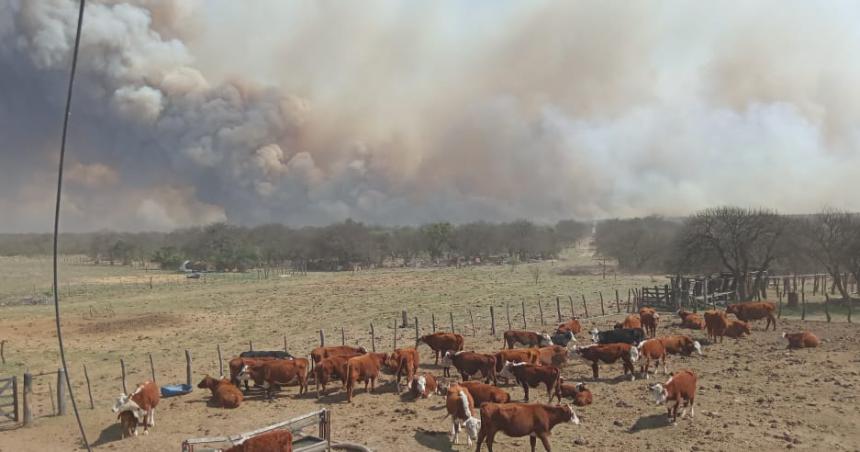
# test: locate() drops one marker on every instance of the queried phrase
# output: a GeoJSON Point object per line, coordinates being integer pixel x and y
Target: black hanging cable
{"type": "Point", "coordinates": [57, 221]}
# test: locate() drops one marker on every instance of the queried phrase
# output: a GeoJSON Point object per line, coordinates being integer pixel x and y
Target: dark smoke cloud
{"type": "Point", "coordinates": [390, 112]}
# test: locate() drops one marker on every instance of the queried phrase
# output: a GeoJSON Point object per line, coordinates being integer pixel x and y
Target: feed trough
{"type": "Point", "coordinates": [175, 390]}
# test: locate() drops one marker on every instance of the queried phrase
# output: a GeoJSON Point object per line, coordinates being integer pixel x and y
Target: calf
{"type": "Point", "coordinates": [403, 362]}
{"type": "Point", "coordinates": [320, 353]}
{"type": "Point", "coordinates": [224, 394]}
{"type": "Point", "coordinates": [521, 419]}
{"type": "Point", "coordinates": [278, 372]}
{"type": "Point", "coordinates": [461, 407]}
{"type": "Point", "coordinates": [651, 349]}
{"type": "Point", "coordinates": [571, 326]}
{"type": "Point", "coordinates": [527, 338]}
{"type": "Point", "coordinates": [530, 376]}
{"type": "Point", "coordinates": [693, 321]}
{"type": "Point", "coordinates": [683, 314]}
{"type": "Point", "coordinates": [649, 318]}
{"type": "Point", "coordinates": [680, 345]}
{"type": "Point", "coordinates": [483, 393]}
{"type": "Point", "coordinates": [518, 355]}
{"type": "Point", "coordinates": [554, 355]}
{"type": "Point", "coordinates": [441, 343]}
{"type": "Point", "coordinates": [631, 321]}
{"type": "Point", "coordinates": [128, 423]}
{"type": "Point", "coordinates": [141, 404]}
{"type": "Point", "coordinates": [609, 354]}
{"type": "Point", "coordinates": [631, 336]}
{"type": "Point", "coordinates": [737, 329]}
{"type": "Point", "coordinates": [680, 386]}
{"type": "Point", "coordinates": [271, 441]}
{"type": "Point", "coordinates": [470, 363]}
{"type": "Point", "coordinates": [424, 385]}
{"type": "Point", "coordinates": [330, 369]}
{"type": "Point", "coordinates": [363, 368]}
{"type": "Point", "coordinates": [579, 393]}
{"type": "Point", "coordinates": [754, 311]}
{"type": "Point", "coordinates": [563, 339]}
{"type": "Point", "coordinates": [716, 323]}
{"type": "Point", "coordinates": [803, 339]}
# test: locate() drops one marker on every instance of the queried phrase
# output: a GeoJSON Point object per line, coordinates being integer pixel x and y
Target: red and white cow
{"type": "Point", "coordinates": [141, 403]}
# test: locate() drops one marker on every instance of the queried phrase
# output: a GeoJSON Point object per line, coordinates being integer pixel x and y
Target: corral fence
{"type": "Point", "coordinates": [301, 442]}
{"type": "Point", "coordinates": [9, 399]}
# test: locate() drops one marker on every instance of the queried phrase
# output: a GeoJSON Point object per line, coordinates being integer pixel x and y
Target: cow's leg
{"type": "Point", "coordinates": [372, 384]}
{"type": "Point", "coordinates": [532, 441]}
{"type": "Point", "coordinates": [482, 433]}
{"type": "Point", "coordinates": [544, 439]}
{"type": "Point", "coordinates": [526, 390]}
{"type": "Point", "coordinates": [436, 355]}
{"type": "Point", "coordinates": [594, 370]}
{"type": "Point", "coordinates": [549, 387]}
{"type": "Point", "coordinates": [152, 417]}
{"type": "Point", "coordinates": [455, 431]}
{"type": "Point", "coordinates": [692, 407]}
{"type": "Point", "coordinates": [491, 438]}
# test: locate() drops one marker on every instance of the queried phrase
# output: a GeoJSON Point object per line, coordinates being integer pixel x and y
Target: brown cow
{"type": "Point", "coordinates": [680, 345]}
{"type": "Point", "coordinates": [424, 385]}
{"type": "Point", "coordinates": [271, 441]}
{"type": "Point", "coordinates": [127, 423]}
{"type": "Point", "coordinates": [470, 363]}
{"type": "Point", "coordinates": [609, 353]}
{"type": "Point", "coordinates": [483, 393]}
{"type": "Point", "coordinates": [441, 343]}
{"type": "Point", "coordinates": [754, 311]}
{"type": "Point", "coordinates": [527, 338]}
{"type": "Point", "coordinates": [737, 329]}
{"type": "Point", "coordinates": [680, 386]}
{"type": "Point", "coordinates": [330, 369]}
{"type": "Point", "coordinates": [277, 372]}
{"type": "Point", "coordinates": [403, 362]}
{"type": "Point", "coordinates": [236, 366]}
{"type": "Point", "coordinates": [141, 403]}
{"type": "Point", "coordinates": [224, 394]}
{"type": "Point", "coordinates": [804, 339]}
{"type": "Point", "coordinates": [320, 353]}
{"type": "Point", "coordinates": [571, 326]}
{"type": "Point", "coordinates": [530, 376]}
{"type": "Point", "coordinates": [461, 407]}
{"type": "Point", "coordinates": [579, 393]}
{"type": "Point", "coordinates": [651, 349]}
{"type": "Point", "coordinates": [649, 319]}
{"type": "Point", "coordinates": [631, 321]}
{"type": "Point", "coordinates": [554, 355]}
{"type": "Point", "coordinates": [693, 321]}
{"type": "Point", "coordinates": [363, 368]}
{"type": "Point", "coordinates": [716, 323]}
{"type": "Point", "coordinates": [521, 419]}
{"type": "Point", "coordinates": [517, 355]}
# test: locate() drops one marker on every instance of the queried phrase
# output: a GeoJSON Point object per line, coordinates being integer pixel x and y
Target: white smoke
{"type": "Point", "coordinates": [404, 113]}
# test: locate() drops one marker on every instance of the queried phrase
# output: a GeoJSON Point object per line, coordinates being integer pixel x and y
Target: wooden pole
{"type": "Point", "coordinates": [540, 310]}
{"type": "Point", "coordinates": [558, 308]}
{"type": "Point", "coordinates": [51, 393]}
{"type": "Point", "coordinates": [285, 344]}
{"type": "Point", "coordinates": [395, 335]}
{"type": "Point", "coordinates": [493, 321]}
{"type": "Point", "coordinates": [251, 345]}
{"type": "Point", "coordinates": [188, 367]}
{"type": "Point", "coordinates": [617, 302]}
{"type": "Point", "coordinates": [850, 308]}
{"type": "Point", "coordinates": [417, 335]}
{"type": "Point", "coordinates": [523, 304]}
{"type": "Point", "coordinates": [405, 321]}
{"type": "Point", "coordinates": [15, 398]}
{"type": "Point", "coordinates": [584, 305]}
{"type": "Point", "coordinates": [27, 399]}
{"type": "Point", "coordinates": [451, 316]}
{"type": "Point", "coordinates": [508, 313]}
{"type": "Point", "coordinates": [826, 305]}
{"type": "Point", "coordinates": [122, 368]}
{"type": "Point", "coordinates": [61, 392]}
{"type": "Point", "coordinates": [322, 337]}
{"type": "Point", "coordinates": [572, 312]}
{"type": "Point", "coordinates": [3, 351]}
{"type": "Point", "coordinates": [472, 319]}
{"type": "Point", "coordinates": [433, 319]}
{"type": "Point", "coordinates": [629, 292]}
{"type": "Point", "coordinates": [221, 360]}
{"type": "Point", "coordinates": [373, 338]}
{"type": "Point", "coordinates": [152, 368]}
{"type": "Point", "coordinates": [803, 306]}
{"type": "Point", "coordinates": [342, 336]}
{"type": "Point", "coordinates": [602, 309]}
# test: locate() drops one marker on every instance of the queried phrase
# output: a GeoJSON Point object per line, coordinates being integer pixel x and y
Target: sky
{"type": "Point", "coordinates": [407, 112]}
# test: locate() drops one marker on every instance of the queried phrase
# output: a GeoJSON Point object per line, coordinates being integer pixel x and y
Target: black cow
{"type": "Point", "coordinates": [276, 354]}
{"type": "Point", "coordinates": [562, 338]}
{"type": "Point", "coordinates": [631, 336]}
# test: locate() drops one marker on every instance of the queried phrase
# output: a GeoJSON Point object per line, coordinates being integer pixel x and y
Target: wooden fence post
{"type": "Point", "coordinates": [27, 399]}
{"type": "Point", "coordinates": [285, 345]}
{"type": "Point", "coordinates": [3, 351]}
{"type": "Point", "coordinates": [602, 308]}
{"type": "Point", "coordinates": [15, 398]}
{"type": "Point", "coordinates": [572, 312]}
{"type": "Point", "coordinates": [617, 302]}
{"type": "Point", "coordinates": [508, 313]}
{"type": "Point", "coordinates": [122, 368]}
{"type": "Point", "coordinates": [451, 316]}
{"type": "Point", "coordinates": [251, 345]}
{"type": "Point", "coordinates": [188, 367]}
{"type": "Point", "coordinates": [433, 319]}
{"type": "Point", "coordinates": [394, 329]}
{"type": "Point", "coordinates": [523, 304]}
{"type": "Point", "coordinates": [493, 321]}
{"type": "Point", "coordinates": [558, 308]}
{"type": "Point", "coordinates": [779, 296]}
{"type": "Point", "coordinates": [472, 319]}
{"type": "Point", "coordinates": [152, 368]}
{"type": "Point", "coordinates": [221, 360]}
{"type": "Point", "coordinates": [540, 310]}
{"type": "Point", "coordinates": [322, 337]}
{"type": "Point", "coordinates": [850, 309]}
{"type": "Point", "coordinates": [373, 338]}
{"type": "Point", "coordinates": [584, 305]}
{"type": "Point", "coordinates": [417, 335]}
{"type": "Point", "coordinates": [826, 306]}
{"type": "Point", "coordinates": [342, 336]}
{"type": "Point", "coordinates": [61, 392]}
{"type": "Point", "coordinates": [629, 291]}
{"type": "Point", "coordinates": [405, 321]}
{"type": "Point", "coordinates": [802, 306]}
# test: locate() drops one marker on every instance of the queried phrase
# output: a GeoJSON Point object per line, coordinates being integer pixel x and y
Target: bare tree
{"type": "Point", "coordinates": [826, 238]}
{"type": "Point", "coordinates": [535, 271]}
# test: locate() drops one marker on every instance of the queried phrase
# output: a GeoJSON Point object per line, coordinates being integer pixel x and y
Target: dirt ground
{"type": "Point", "coordinates": [753, 394]}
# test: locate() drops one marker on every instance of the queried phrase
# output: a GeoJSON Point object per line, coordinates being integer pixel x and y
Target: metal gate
{"type": "Point", "coordinates": [9, 399]}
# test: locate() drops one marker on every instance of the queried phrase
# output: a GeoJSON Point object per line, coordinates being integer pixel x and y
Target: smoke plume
{"type": "Point", "coordinates": [189, 112]}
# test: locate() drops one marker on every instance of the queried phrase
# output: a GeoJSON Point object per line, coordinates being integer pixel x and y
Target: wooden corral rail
{"type": "Point", "coordinates": [301, 443]}
{"type": "Point", "coordinates": [9, 394]}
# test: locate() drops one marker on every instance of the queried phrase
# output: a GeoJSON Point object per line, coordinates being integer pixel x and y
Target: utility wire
{"type": "Point", "coordinates": [57, 221]}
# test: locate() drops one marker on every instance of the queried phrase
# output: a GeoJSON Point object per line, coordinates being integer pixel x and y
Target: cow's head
{"type": "Point", "coordinates": [361, 349]}
{"type": "Point", "coordinates": [545, 339]}
{"type": "Point", "coordinates": [207, 382]}
{"type": "Point", "coordinates": [506, 371]}
{"type": "Point", "coordinates": [634, 354]}
{"type": "Point", "coordinates": [573, 417]}
{"type": "Point", "coordinates": [473, 425]}
{"type": "Point", "coordinates": [120, 401]}
{"type": "Point", "coordinates": [698, 347]}
{"type": "Point", "coordinates": [447, 358]}
{"type": "Point", "coordinates": [659, 392]}
{"type": "Point", "coordinates": [732, 309]}
{"type": "Point", "coordinates": [580, 387]}
{"type": "Point", "coordinates": [595, 333]}
{"type": "Point", "coordinates": [420, 384]}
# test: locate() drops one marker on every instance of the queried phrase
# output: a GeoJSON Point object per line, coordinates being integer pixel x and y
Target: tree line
{"type": "Point", "coordinates": [223, 246]}
{"type": "Point", "coordinates": [736, 241]}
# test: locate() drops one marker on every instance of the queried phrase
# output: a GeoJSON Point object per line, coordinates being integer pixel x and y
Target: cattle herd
{"type": "Point", "coordinates": [478, 402]}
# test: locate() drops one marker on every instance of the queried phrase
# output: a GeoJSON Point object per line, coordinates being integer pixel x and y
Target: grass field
{"type": "Point", "coordinates": [111, 313]}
